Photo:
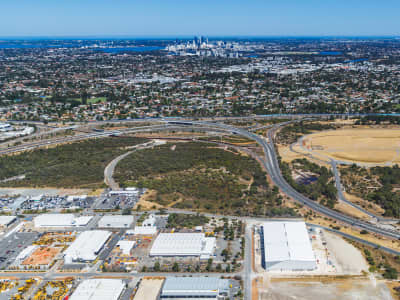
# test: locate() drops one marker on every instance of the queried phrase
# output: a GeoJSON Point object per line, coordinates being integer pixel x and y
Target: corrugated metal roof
{"type": "Point", "coordinates": [116, 221]}
{"type": "Point", "coordinates": [87, 244]}
{"type": "Point", "coordinates": [184, 244]}
{"type": "Point", "coordinates": [287, 241]}
{"type": "Point", "coordinates": [99, 289]}
{"type": "Point", "coordinates": [194, 286]}
{"type": "Point", "coordinates": [5, 220]}
{"type": "Point", "coordinates": [60, 220]}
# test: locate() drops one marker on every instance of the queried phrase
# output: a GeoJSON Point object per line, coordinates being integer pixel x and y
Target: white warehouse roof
{"type": "Point", "coordinates": [87, 245]}
{"type": "Point", "coordinates": [126, 246]}
{"type": "Point", "coordinates": [183, 244]}
{"type": "Point", "coordinates": [6, 220]}
{"type": "Point", "coordinates": [99, 289]}
{"type": "Point", "coordinates": [144, 230]}
{"type": "Point", "coordinates": [286, 245]}
{"type": "Point", "coordinates": [60, 220]}
{"type": "Point", "coordinates": [116, 221]}
{"type": "Point", "coordinates": [194, 287]}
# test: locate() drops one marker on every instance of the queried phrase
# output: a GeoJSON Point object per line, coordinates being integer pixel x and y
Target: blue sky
{"type": "Point", "coordinates": [207, 17]}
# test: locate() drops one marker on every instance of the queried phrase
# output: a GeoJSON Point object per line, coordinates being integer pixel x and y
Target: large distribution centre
{"type": "Point", "coordinates": [99, 289]}
{"type": "Point", "coordinates": [194, 287]}
{"type": "Point", "coordinates": [87, 246]}
{"type": "Point", "coordinates": [183, 244]}
{"type": "Point", "coordinates": [286, 246]}
{"type": "Point", "coordinates": [116, 221]}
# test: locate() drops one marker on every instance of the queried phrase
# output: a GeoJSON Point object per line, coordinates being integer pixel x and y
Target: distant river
{"type": "Point", "coordinates": [130, 49]}
{"type": "Point", "coordinates": [105, 49]}
{"type": "Point", "coordinates": [330, 53]}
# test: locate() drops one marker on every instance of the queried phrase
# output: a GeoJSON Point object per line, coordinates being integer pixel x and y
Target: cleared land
{"type": "Point", "coordinates": [323, 221]}
{"type": "Point", "coordinates": [362, 145]}
{"type": "Point", "coordinates": [42, 256]}
{"type": "Point", "coordinates": [326, 288]}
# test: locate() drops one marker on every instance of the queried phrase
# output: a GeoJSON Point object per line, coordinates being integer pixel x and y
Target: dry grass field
{"type": "Point", "coordinates": [363, 145]}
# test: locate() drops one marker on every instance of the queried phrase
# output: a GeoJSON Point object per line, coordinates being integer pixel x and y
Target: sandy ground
{"type": "Point", "coordinates": [352, 211]}
{"type": "Point", "coordinates": [348, 289]}
{"type": "Point", "coordinates": [369, 145]}
{"type": "Point", "coordinates": [393, 244]}
{"type": "Point", "coordinates": [144, 202]}
{"type": "Point", "coordinates": [287, 154]}
{"type": "Point", "coordinates": [376, 209]}
{"type": "Point", "coordinates": [348, 258]}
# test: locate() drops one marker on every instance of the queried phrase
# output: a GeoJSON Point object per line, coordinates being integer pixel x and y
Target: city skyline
{"type": "Point", "coordinates": [179, 18]}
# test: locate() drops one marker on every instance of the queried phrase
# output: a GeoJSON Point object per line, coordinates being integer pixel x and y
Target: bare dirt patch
{"type": "Point", "coordinates": [147, 201]}
{"type": "Point", "coordinates": [370, 206]}
{"type": "Point", "coordinates": [329, 289]}
{"type": "Point", "coordinates": [351, 211]}
{"type": "Point", "coordinates": [373, 238]}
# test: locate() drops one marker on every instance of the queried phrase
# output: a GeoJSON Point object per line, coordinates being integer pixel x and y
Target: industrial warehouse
{"type": "Point", "coordinates": [60, 220]}
{"type": "Point", "coordinates": [195, 287]}
{"type": "Point", "coordinates": [116, 221]}
{"type": "Point", "coordinates": [87, 246]}
{"type": "Point", "coordinates": [99, 289]}
{"type": "Point", "coordinates": [183, 244]}
{"type": "Point", "coordinates": [286, 246]}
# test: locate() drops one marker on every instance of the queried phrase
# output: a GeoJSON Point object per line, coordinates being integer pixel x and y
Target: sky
{"type": "Point", "coordinates": [177, 18]}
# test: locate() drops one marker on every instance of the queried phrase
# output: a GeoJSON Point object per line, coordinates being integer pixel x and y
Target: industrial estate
{"type": "Point", "coordinates": [190, 170]}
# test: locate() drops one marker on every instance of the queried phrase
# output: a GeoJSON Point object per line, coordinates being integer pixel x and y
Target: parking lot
{"type": "Point", "coordinates": [56, 202]}
{"type": "Point", "coordinates": [12, 245]}
{"type": "Point", "coordinates": [124, 199]}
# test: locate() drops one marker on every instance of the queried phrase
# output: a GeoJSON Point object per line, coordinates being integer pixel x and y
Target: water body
{"type": "Point", "coordinates": [355, 60]}
{"type": "Point", "coordinates": [130, 49]}
{"type": "Point", "coordinates": [77, 45]}
{"type": "Point", "coordinates": [36, 46]}
{"type": "Point", "coordinates": [330, 53]}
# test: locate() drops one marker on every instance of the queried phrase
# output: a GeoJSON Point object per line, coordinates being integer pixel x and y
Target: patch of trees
{"type": "Point", "coordinates": [385, 196]}
{"type": "Point", "coordinates": [184, 156]}
{"type": "Point", "coordinates": [323, 189]}
{"type": "Point", "coordinates": [69, 165]}
{"type": "Point", "coordinates": [289, 134]}
{"type": "Point", "coordinates": [186, 220]}
{"type": "Point", "coordinates": [377, 119]}
{"type": "Point", "coordinates": [204, 176]}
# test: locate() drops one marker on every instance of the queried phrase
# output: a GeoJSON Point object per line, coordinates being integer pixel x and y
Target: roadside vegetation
{"type": "Point", "coordinates": [79, 164]}
{"type": "Point", "coordinates": [292, 132]}
{"type": "Point", "coordinates": [322, 189]}
{"type": "Point", "coordinates": [378, 120]}
{"type": "Point", "coordinates": [186, 221]}
{"type": "Point", "coordinates": [203, 177]}
{"type": "Point", "coordinates": [378, 185]}
{"type": "Point", "coordinates": [386, 264]}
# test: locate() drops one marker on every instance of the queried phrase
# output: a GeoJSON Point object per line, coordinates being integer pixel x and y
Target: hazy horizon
{"type": "Point", "coordinates": [180, 18]}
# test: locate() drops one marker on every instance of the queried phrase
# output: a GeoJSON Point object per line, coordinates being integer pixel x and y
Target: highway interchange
{"type": "Point", "coordinates": [270, 162]}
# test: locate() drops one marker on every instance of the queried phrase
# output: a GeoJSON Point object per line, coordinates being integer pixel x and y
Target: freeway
{"type": "Point", "coordinates": [270, 162]}
{"type": "Point", "coordinates": [272, 165]}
